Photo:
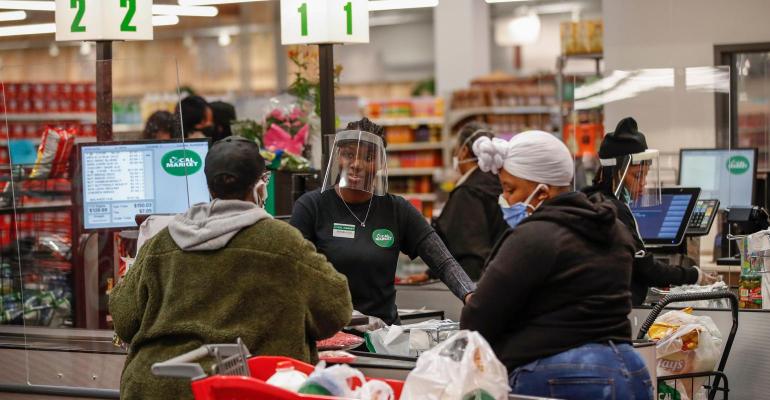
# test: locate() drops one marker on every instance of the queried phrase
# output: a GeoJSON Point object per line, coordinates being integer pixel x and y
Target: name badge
{"type": "Point", "coordinates": [344, 231]}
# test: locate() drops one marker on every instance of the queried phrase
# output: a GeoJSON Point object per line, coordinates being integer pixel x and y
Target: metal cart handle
{"type": "Point", "coordinates": [687, 297]}
{"type": "Point", "coordinates": [183, 366]}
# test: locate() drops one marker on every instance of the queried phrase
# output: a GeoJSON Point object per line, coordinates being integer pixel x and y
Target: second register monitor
{"type": "Point", "coordinates": [726, 175]}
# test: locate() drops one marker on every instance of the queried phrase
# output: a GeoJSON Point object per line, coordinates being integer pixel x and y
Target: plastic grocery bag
{"type": "Point", "coordinates": [464, 367]}
{"type": "Point", "coordinates": [686, 343]}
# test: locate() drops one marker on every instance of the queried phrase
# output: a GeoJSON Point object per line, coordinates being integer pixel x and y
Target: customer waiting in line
{"type": "Point", "coordinates": [224, 116]}
{"type": "Point", "coordinates": [555, 296]}
{"type": "Point", "coordinates": [471, 222]}
{"type": "Point", "coordinates": [196, 117]}
{"type": "Point", "coordinates": [160, 126]}
{"type": "Point", "coordinates": [221, 271]}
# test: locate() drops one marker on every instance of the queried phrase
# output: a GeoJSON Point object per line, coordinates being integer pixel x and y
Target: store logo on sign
{"type": "Point", "coordinates": [738, 165]}
{"type": "Point", "coordinates": [181, 162]}
{"type": "Point", "coordinates": [383, 238]}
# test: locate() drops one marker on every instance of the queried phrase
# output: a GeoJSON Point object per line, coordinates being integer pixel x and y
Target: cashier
{"type": "Point", "coordinates": [362, 229]}
{"type": "Point", "coordinates": [626, 163]}
{"type": "Point", "coordinates": [555, 296]}
{"type": "Point", "coordinates": [471, 222]}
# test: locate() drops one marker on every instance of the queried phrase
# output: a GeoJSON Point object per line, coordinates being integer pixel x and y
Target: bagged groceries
{"type": "Point", "coordinates": [685, 344]}
{"type": "Point", "coordinates": [286, 377]}
{"type": "Point", "coordinates": [410, 340]}
{"type": "Point", "coordinates": [464, 367]}
{"type": "Point", "coordinates": [717, 287]}
{"type": "Point", "coordinates": [338, 381]}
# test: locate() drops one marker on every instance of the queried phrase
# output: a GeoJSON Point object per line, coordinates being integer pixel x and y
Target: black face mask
{"type": "Point", "coordinates": [209, 131]}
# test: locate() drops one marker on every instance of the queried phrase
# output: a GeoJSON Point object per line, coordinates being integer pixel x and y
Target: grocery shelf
{"type": "Point", "coordinates": [411, 171]}
{"type": "Point", "coordinates": [88, 139]}
{"type": "Point", "coordinates": [458, 115]}
{"type": "Point", "coordinates": [409, 121]}
{"type": "Point", "coordinates": [53, 206]}
{"type": "Point", "coordinates": [127, 128]}
{"type": "Point", "coordinates": [418, 196]}
{"type": "Point", "coordinates": [42, 117]}
{"type": "Point", "coordinates": [415, 146]}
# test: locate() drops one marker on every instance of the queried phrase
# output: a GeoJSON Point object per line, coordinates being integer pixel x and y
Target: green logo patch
{"type": "Point", "coordinates": [738, 165]}
{"type": "Point", "coordinates": [181, 162]}
{"type": "Point", "coordinates": [383, 238]}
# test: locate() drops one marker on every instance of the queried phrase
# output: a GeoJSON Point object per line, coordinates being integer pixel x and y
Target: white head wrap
{"type": "Point", "coordinates": [536, 156]}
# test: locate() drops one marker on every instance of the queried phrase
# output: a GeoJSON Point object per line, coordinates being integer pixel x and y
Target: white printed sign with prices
{"type": "Point", "coordinates": [104, 20]}
{"type": "Point", "coordinates": [324, 21]}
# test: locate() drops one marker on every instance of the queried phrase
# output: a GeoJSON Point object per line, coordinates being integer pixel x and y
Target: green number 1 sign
{"type": "Point", "coordinates": [76, 22]}
{"type": "Point", "coordinates": [303, 18]}
{"type": "Point", "coordinates": [349, 12]}
{"type": "Point", "coordinates": [126, 26]}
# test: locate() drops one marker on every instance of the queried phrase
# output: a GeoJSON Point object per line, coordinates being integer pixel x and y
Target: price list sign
{"type": "Point", "coordinates": [117, 186]}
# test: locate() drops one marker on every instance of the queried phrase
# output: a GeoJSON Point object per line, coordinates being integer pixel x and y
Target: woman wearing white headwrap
{"type": "Point", "coordinates": [555, 296]}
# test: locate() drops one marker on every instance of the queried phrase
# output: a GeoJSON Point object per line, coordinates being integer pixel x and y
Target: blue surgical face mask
{"type": "Point", "coordinates": [516, 213]}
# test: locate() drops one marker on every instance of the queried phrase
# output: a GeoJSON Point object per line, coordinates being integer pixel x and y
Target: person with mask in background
{"type": "Point", "coordinates": [362, 229]}
{"type": "Point", "coordinates": [160, 126]}
{"type": "Point", "coordinates": [221, 271]}
{"type": "Point", "coordinates": [555, 296]}
{"type": "Point", "coordinates": [471, 222]}
{"type": "Point", "coordinates": [224, 115]}
{"type": "Point", "coordinates": [197, 118]}
{"type": "Point", "coordinates": [625, 164]}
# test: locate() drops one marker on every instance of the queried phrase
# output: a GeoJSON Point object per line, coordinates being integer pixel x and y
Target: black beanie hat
{"type": "Point", "coordinates": [626, 140]}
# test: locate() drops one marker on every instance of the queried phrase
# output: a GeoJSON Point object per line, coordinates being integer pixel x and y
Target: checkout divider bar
{"type": "Point", "coordinates": [63, 391]}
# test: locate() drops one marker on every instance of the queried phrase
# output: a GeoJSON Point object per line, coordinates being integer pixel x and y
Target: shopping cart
{"type": "Point", "coordinates": [716, 380]}
{"type": "Point", "coordinates": [236, 375]}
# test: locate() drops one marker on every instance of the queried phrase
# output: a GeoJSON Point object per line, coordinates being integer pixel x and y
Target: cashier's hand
{"type": "Point", "coordinates": [705, 279]}
{"type": "Point", "coordinates": [467, 298]}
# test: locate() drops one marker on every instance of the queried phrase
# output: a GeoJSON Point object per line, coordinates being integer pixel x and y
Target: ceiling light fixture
{"type": "Point", "coordinates": [185, 11]}
{"type": "Point", "coordinates": [506, 1]}
{"type": "Point", "coordinates": [53, 50]}
{"type": "Point", "coordinates": [164, 20]}
{"type": "Point", "coordinates": [28, 5]}
{"type": "Point", "coordinates": [224, 39]}
{"type": "Point", "coordinates": [6, 16]}
{"type": "Point", "coordinates": [32, 29]}
{"type": "Point", "coordinates": [383, 5]}
{"type": "Point", "coordinates": [213, 2]}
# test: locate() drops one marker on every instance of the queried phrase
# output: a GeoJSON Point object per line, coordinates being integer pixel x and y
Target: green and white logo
{"type": "Point", "coordinates": [738, 165]}
{"type": "Point", "coordinates": [181, 162]}
{"type": "Point", "coordinates": [383, 238]}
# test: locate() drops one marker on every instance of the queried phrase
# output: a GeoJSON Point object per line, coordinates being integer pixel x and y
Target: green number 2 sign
{"type": "Point", "coordinates": [77, 21]}
{"type": "Point", "coordinates": [126, 26]}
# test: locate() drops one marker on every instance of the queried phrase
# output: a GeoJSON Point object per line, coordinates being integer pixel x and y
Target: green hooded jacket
{"type": "Point", "coordinates": [242, 274]}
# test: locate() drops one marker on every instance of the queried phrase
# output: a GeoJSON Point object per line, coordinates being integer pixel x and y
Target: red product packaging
{"type": "Point", "coordinates": [52, 105]}
{"type": "Point", "coordinates": [91, 90]}
{"type": "Point", "coordinates": [39, 105]}
{"type": "Point", "coordinates": [80, 105]}
{"type": "Point", "coordinates": [25, 106]}
{"type": "Point", "coordinates": [17, 131]}
{"type": "Point", "coordinates": [12, 105]}
{"type": "Point", "coordinates": [88, 130]}
{"type": "Point", "coordinates": [25, 90]}
{"type": "Point", "coordinates": [11, 89]}
{"type": "Point", "coordinates": [65, 104]}
{"type": "Point", "coordinates": [65, 90]}
{"type": "Point", "coordinates": [30, 131]}
{"type": "Point", "coordinates": [3, 130]}
{"type": "Point", "coordinates": [79, 90]}
{"type": "Point", "coordinates": [92, 104]}
{"type": "Point", "coordinates": [38, 90]}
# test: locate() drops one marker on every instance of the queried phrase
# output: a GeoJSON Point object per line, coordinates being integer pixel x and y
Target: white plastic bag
{"type": "Point", "coordinates": [463, 367]}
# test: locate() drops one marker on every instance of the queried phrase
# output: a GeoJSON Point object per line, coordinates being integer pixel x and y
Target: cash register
{"type": "Point", "coordinates": [663, 227]}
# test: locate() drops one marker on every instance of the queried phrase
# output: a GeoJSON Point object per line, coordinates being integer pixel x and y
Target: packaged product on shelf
{"type": "Point", "coordinates": [55, 148]}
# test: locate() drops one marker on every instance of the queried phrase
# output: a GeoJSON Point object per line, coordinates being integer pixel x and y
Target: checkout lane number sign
{"type": "Point", "coordinates": [324, 21]}
{"type": "Point", "coordinates": [104, 20]}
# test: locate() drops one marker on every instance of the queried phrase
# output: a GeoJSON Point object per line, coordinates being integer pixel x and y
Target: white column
{"type": "Point", "coordinates": [461, 29]}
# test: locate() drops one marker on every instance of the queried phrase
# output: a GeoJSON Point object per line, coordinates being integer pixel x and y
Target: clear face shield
{"type": "Point", "coordinates": [636, 179]}
{"type": "Point", "coordinates": [357, 162]}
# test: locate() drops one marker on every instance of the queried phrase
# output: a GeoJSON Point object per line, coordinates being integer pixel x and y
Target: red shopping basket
{"type": "Point", "coordinates": [238, 377]}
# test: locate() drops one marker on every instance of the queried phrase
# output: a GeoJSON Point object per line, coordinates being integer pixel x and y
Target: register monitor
{"type": "Point", "coordinates": [724, 175]}
{"type": "Point", "coordinates": [666, 224]}
{"type": "Point", "coordinates": [121, 180]}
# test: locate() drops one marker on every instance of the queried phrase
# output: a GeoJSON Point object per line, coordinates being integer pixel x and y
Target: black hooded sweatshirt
{"type": "Point", "coordinates": [559, 280]}
{"type": "Point", "coordinates": [647, 271]}
{"type": "Point", "coordinates": [471, 222]}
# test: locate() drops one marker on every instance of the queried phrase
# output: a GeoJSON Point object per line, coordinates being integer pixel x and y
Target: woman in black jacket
{"type": "Point", "coordinates": [555, 297]}
{"type": "Point", "coordinates": [624, 180]}
{"type": "Point", "coordinates": [471, 222]}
